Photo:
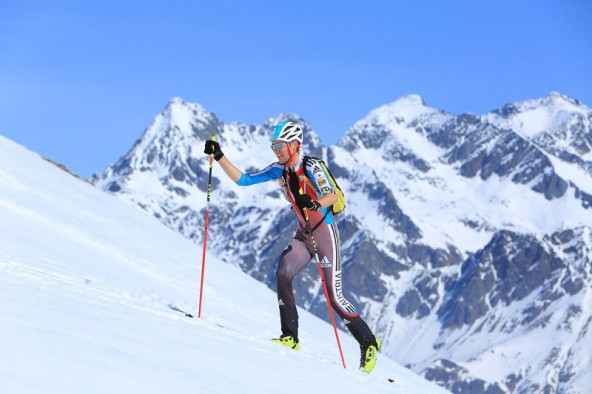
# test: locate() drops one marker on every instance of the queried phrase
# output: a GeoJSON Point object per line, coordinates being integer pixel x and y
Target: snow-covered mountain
{"type": "Point", "coordinates": [466, 240]}
{"type": "Point", "coordinates": [93, 295]}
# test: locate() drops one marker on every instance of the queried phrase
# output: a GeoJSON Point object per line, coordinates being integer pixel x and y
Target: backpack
{"type": "Point", "coordinates": [339, 206]}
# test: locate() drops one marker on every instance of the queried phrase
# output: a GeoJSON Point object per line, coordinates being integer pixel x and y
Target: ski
{"type": "Point", "coordinates": [174, 308]}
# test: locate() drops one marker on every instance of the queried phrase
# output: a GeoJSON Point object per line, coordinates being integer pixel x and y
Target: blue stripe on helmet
{"type": "Point", "coordinates": [275, 132]}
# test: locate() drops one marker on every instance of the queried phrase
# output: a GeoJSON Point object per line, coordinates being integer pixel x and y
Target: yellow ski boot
{"type": "Point", "coordinates": [287, 341]}
{"type": "Point", "coordinates": [368, 358]}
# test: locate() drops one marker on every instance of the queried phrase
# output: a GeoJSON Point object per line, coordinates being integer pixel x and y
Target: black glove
{"type": "Point", "coordinates": [305, 202]}
{"type": "Point", "coordinates": [213, 148]}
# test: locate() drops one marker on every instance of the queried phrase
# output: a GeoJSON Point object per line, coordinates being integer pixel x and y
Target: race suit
{"type": "Point", "coordinates": [315, 182]}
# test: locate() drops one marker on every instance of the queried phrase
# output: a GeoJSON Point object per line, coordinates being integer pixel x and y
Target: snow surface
{"type": "Point", "coordinates": [91, 292]}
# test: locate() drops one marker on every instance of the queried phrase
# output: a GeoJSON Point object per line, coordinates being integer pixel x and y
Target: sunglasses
{"type": "Point", "coordinates": [279, 145]}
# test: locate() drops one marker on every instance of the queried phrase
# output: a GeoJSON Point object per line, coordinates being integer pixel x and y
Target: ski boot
{"type": "Point", "coordinates": [369, 345]}
{"type": "Point", "coordinates": [287, 341]}
{"type": "Point", "coordinates": [368, 357]}
{"type": "Point", "coordinates": [289, 322]}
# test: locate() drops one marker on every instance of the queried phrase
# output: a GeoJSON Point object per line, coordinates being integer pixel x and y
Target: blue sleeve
{"type": "Point", "coordinates": [271, 172]}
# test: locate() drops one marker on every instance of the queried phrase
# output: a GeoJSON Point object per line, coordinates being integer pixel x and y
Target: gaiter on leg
{"type": "Point", "coordinates": [289, 322]}
{"type": "Point", "coordinates": [360, 330]}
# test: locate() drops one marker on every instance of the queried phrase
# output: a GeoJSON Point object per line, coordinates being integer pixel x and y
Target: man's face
{"type": "Point", "coordinates": [280, 148]}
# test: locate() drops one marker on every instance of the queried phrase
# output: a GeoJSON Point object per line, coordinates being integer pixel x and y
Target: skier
{"type": "Point", "coordinates": [318, 195]}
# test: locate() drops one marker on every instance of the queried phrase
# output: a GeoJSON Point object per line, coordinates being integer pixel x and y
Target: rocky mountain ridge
{"type": "Point", "coordinates": [464, 234]}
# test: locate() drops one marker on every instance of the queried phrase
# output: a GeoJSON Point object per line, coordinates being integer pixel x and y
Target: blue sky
{"type": "Point", "coordinates": [81, 80]}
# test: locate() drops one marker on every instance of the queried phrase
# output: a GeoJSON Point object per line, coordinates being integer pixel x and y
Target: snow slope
{"type": "Point", "coordinates": [91, 292]}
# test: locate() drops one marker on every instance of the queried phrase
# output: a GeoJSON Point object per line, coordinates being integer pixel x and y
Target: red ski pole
{"type": "Point", "coordinates": [314, 245]}
{"type": "Point", "coordinates": [203, 258]}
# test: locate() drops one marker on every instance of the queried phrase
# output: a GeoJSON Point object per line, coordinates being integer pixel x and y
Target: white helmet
{"type": "Point", "coordinates": [286, 131]}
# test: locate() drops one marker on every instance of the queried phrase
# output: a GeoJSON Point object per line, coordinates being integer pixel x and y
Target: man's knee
{"type": "Point", "coordinates": [283, 274]}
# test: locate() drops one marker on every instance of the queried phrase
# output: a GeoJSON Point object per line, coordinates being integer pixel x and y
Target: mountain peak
{"type": "Point", "coordinates": [403, 109]}
{"type": "Point", "coordinates": [561, 102]}
{"type": "Point", "coordinates": [176, 100]}
{"type": "Point", "coordinates": [177, 103]}
{"type": "Point", "coordinates": [554, 103]}
{"type": "Point", "coordinates": [558, 97]}
{"type": "Point", "coordinates": [172, 131]}
{"type": "Point", "coordinates": [411, 99]}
